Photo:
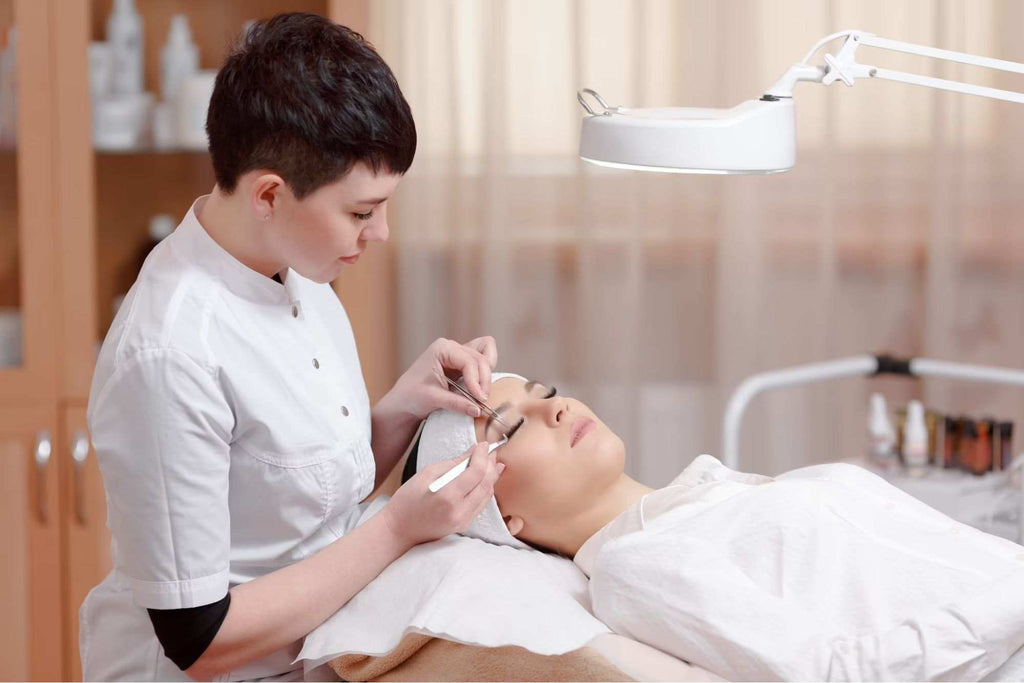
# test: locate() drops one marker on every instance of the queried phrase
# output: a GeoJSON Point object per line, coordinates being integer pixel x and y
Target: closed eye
{"type": "Point", "coordinates": [364, 216]}
{"type": "Point", "coordinates": [519, 424]}
{"type": "Point", "coordinates": [515, 428]}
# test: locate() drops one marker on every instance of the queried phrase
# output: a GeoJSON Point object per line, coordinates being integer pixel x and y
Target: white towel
{"type": "Point", "coordinates": [448, 434]}
{"type": "Point", "coordinates": [463, 590]}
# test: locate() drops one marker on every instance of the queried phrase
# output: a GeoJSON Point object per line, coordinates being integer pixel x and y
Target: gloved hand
{"type": "Point", "coordinates": [416, 515]}
{"type": "Point", "coordinates": [422, 389]}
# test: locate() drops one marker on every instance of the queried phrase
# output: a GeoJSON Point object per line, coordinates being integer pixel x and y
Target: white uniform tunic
{"type": "Point", "coordinates": [823, 573]}
{"type": "Point", "coordinates": [232, 428]}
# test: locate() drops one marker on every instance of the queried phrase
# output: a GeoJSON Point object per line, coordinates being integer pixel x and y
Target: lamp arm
{"type": "Point", "coordinates": [796, 73]}
{"type": "Point", "coordinates": [843, 66]}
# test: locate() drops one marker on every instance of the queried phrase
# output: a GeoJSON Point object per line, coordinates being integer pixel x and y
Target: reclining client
{"type": "Point", "coordinates": [825, 572]}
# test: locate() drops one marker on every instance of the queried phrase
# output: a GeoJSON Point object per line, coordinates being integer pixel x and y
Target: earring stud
{"type": "Point", "coordinates": [266, 217]}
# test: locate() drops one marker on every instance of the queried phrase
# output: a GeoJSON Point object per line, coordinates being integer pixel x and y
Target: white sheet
{"type": "Point", "coordinates": [825, 573]}
{"type": "Point", "coordinates": [467, 591]}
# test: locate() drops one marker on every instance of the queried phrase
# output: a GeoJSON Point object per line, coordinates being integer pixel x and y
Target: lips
{"type": "Point", "coordinates": [351, 259]}
{"type": "Point", "coordinates": [580, 428]}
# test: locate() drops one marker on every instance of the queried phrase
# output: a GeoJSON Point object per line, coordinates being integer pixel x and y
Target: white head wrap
{"type": "Point", "coordinates": [448, 434]}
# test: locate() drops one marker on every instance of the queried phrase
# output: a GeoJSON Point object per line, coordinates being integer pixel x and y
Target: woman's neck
{"type": "Point", "coordinates": [574, 532]}
{"type": "Point", "coordinates": [228, 221]}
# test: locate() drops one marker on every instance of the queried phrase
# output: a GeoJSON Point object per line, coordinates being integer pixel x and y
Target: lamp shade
{"type": "Point", "coordinates": [756, 136]}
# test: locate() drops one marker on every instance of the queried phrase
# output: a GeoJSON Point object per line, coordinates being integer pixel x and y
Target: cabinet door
{"type": "Point", "coordinates": [87, 540]}
{"type": "Point", "coordinates": [31, 641]}
{"type": "Point", "coordinates": [27, 282]}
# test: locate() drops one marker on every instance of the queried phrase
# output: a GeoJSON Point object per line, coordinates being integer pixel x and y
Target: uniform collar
{"type": "Point", "coordinates": [200, 249]}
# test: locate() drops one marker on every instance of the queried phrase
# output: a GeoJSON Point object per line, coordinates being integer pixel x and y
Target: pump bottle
{"type": "Point", "coordinates": [915, 439]}
{"type": "Point", "coordinates": [179, 57]}
{"type": "Point", "coordinates": [881, 435]}
{"type": "Point", "coordinates": [124, 33]}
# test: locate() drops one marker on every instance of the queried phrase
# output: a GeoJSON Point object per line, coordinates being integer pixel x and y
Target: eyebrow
{"type": "Point", "coordinates": [505, 405]}
{"type": "Point", "coordinates": [371, 201]}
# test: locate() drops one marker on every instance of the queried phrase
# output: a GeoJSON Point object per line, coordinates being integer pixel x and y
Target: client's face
{"type": "Point", "coordinates": [559, 460]}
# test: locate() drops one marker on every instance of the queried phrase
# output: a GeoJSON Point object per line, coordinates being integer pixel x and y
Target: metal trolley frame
{"type": "Point", "coordinates": [868, 366]}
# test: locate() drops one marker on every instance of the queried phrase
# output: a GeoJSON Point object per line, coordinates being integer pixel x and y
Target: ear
{"type": "Point", "coordinates": [267, 190]}
{"type": "Point", "coordinates": [514, 523]}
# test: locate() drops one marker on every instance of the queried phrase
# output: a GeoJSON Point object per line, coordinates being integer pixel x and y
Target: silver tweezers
{"type": "Point", "coordinates": [451, 474]}
{"type": "Point", "coordinates": [448, 476]}
{"type": "Point", "coordinates": [483, 406]}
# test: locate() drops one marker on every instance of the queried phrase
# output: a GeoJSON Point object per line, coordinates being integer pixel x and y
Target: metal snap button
{"type": "Point", "coordinates": [316, 364]}
{"type": "Point", "coordinates": [344, 411]}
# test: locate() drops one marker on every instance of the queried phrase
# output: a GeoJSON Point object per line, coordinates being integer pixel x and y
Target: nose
{"type": "Point", "coordinates": [378, 232]}
{"type": "Point", "coordinates": [553, 411]}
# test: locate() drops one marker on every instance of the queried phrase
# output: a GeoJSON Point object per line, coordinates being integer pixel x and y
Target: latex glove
{"type": "Point", "coordinates": [416, 515]}
{"type": "Point", "coordinates": [422, 389]}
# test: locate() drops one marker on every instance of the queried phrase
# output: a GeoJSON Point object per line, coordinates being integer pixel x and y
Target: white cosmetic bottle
{"type": "Point", "coordinates": [193, 103]}
{"type": "Point", "coordinates": [881, 435]}
{"type": "Point", "coordinates": [915, 439]}
{"type": "Point", "coordinates": [124, 34]}
{"type": "Point", "coordinates": [179, 58]}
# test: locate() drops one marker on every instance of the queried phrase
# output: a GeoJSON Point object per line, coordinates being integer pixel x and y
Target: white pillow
{"type": "Point", "coordinates": [464, 590]}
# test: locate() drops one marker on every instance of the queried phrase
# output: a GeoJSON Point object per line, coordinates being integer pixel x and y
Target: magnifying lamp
{"type": "Point", "coordinates": [756, 136]}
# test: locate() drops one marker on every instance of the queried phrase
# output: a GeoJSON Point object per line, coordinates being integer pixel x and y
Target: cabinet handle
{"type": "Point", "coordinates": [44, 447]}
{"type": "Point", "coordinates": [79, 454]}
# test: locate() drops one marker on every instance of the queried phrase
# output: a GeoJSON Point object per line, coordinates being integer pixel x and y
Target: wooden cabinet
{"type": "Point", "coordinates": [56, 543]}
{"type": "Point", "coordinates": [84, 526]}
{"type": "Point", "coordinates": [30, 583]}
{"type": "Point", "coordinates": [72, 222]}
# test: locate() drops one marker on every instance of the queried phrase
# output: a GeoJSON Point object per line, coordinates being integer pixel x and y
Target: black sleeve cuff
{"type": "Point", "coordinates": [186, 633]}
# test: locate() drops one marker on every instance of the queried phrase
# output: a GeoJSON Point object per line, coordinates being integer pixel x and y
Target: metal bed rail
{"type": "Point", "coordinates": [866, 366]}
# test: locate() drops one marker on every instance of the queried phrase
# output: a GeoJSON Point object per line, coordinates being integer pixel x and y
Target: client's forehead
{"type": "Point", "coordinates": [513, 389]}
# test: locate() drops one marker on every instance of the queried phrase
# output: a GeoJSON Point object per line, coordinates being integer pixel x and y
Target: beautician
{"type": "Point", "coordinates": [228, 410]}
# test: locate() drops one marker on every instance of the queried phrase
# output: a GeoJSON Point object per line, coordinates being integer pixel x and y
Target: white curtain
{"type": "Point", "coordinates": [651, 296]}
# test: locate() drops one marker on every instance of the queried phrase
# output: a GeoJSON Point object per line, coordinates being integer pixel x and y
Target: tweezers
{"type": "Point", "coordinates": [483, 406]}
{"type": "Point", "coordinates": [448, 476]}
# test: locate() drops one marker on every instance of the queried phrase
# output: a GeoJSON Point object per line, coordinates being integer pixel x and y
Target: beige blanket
{"type": "Point", "coordinates": [423, 658]}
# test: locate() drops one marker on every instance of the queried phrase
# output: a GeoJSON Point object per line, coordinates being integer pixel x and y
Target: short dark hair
{"type": "Point", "coordinates": [308, 99]}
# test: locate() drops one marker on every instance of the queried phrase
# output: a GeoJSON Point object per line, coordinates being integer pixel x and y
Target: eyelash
{"type": "Point", "coordinates": [519, 424]}
{"type": "Point", "coordinates": [364, 216]}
